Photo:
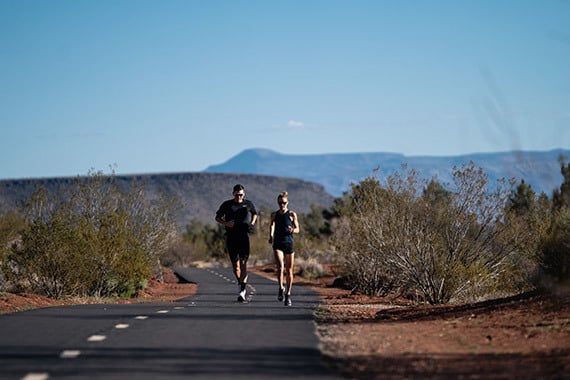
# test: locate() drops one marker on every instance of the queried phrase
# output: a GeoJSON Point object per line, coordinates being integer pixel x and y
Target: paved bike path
{"type": "Point", "coordinates": [206, 336]}
{"type": "Point", "coordinates": [263, 338]}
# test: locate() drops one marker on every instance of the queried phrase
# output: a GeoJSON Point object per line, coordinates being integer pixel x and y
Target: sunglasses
{"type": "Point", "coordinates": [283, 203]}
{"type": "Point", "coordinates": [239, 194]}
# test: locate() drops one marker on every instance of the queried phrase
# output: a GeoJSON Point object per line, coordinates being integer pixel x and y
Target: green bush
{"type": "Point", "coordinates": [11, 225]}
{"type": "Point", "coordinates": [93, 238]}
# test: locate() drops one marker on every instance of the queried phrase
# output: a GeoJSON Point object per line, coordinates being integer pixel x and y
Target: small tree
{"type": "Point", "coordinates": [561, 196]}
{"type": "Point", "coordinates": [555, 261]}
{"type": "Point", "coordinates": [522, 201]}
{"type": "Point", "coordinates": [317, 223]}
{"type": "Point", "coordinates": [556, 248]}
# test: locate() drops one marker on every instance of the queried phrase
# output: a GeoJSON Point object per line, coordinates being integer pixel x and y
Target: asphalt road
{"type": "Point", "coordinates": [207, 336]}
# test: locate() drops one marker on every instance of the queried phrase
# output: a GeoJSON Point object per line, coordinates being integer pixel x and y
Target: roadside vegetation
{"type": "Point", "coordinates": [90, 239]}
{"type": "Point", "coordinates": [433, 242]}
{"type": "Point", "coordinates": [456, 242]}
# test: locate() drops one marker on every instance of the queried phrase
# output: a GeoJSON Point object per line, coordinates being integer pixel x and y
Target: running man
{"type": "Point", "coordinates": [234, 215]}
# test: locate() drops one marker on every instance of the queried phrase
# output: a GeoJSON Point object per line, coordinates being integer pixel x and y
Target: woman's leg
{"type": "Point", "coordinates": [279, 267]}
{"type": "Point", "coordinates": [289, 259]}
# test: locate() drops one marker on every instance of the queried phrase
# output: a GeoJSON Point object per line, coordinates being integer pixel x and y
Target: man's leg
{"type": "Point", "coordinates": [242, 271]}
{"type": "Point", "coordinates": [237, 270]}
{"type": "Point", "coordinates": [242, 279]}
{"type": "Point", "coordinates": [239, 254]}
{"type": "Point", "coordinates": [237, 267]}
{"type": "Point", "coordinates": [234, 257]}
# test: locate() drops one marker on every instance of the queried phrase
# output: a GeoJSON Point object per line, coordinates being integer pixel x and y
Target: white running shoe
{"type": "Point", "coordinates": [241, 297]}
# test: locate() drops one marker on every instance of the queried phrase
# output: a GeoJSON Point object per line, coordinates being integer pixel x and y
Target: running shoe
{"type": "Point", "coordinates": [287, 300]}
{"type": "Point", "coordinates": [280, 295]}
{"type": "Point", "coordinates": [241, 297]}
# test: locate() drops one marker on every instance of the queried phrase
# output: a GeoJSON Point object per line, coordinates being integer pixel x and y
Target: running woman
{"type": "Point", "coordinates": [284, 224]}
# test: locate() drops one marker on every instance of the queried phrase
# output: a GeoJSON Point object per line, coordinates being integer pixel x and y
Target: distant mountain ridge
{"type": "Point", "coordinates": [199, 194]}
{"type": "Point", "coordinates": [337, 171]}
{"type": "Point", "coordinates": [310, 179]}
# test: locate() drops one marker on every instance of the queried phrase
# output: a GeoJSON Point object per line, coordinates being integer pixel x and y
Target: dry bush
{"type": "Point", "coordinates": [447, 244]}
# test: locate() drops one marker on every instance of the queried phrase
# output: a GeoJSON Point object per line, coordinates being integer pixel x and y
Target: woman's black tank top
{"type": "Point", "coordinates": [281, 233]}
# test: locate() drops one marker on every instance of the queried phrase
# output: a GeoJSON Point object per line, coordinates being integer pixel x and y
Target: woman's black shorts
{"type": "Point", "coordinates": [286, 248]}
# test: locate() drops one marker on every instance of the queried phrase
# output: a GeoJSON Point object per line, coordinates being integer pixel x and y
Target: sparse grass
{"type": "Point", "coordinates": [309, 269]}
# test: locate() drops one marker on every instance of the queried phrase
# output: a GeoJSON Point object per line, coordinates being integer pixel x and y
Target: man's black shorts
{"type": "Point", "coordinates": [286, 248]}
{"type": "Point", "coordinates": [238, 247]}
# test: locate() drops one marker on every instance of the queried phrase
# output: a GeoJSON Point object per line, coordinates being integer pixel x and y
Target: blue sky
{"type": "Point", "coordinates": [175, 86]}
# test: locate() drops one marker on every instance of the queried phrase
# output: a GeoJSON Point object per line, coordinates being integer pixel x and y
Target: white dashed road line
{"type": "Point", "coordinates": [36, 376]}
{"type": "Point", "coordinates": [72, 354]}
{"type": "Point", "coordinates": [69, 354]}
{"type": "Point", "coordinates": [221, 275]}
{"type": "Point", "coordinates": [96, 338]}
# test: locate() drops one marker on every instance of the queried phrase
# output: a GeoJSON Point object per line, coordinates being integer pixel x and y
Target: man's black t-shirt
{"type": "Point", "coordinates": [239, 213]}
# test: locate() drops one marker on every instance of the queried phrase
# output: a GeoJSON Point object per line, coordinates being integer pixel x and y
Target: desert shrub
{"type": "Point", "coordinates": [359, 237]}
{"type": "Point", "coordinates": [528, 218]}
{"type": "Point", "coordinates": [94, 238]}
{"type": "Point", "coordinates": [45, 260]}
{"type": "Point", "coordinates": [555, 262]}
{"type": "Point", "coordinates": [445, 242]}
{"type": "Point", "coordinates": [205, 241]}
{"type": "Point", "coordinates": [309, 268]}
{"type": "Point", "coordinates": [179, 253]}
{"type": "Point", "coordinates": [11, 224]}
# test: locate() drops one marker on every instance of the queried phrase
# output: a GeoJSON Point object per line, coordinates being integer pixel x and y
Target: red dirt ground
{"type": "Point", "coordinates": [523, 337]}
